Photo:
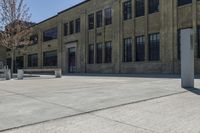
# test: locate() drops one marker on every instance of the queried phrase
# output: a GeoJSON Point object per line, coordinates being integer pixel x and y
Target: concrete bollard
{"type": "Point", "coordinates": [58, 73]}
{"type": "Point", "coordinates": [7, 74]}
{"type": "Point", "coordinates": [20, 74]}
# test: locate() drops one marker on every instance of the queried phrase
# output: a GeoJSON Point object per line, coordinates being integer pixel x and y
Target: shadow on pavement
{"type": "Point", "coordinates": [175, 76]}
{"type": "Point", "coordinates": [193, 90]}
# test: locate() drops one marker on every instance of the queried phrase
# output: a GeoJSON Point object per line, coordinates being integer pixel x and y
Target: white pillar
{"type": "Point", "coordinates": [58, 73]}
{"type": "Point", "coordinates": [187, 59]}
{"type": "Point", "coordinates": [20, 74]}
{"type": "Point", "coordinates": [7, 74]}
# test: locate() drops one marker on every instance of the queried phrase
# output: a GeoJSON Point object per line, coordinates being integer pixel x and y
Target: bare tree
{"type": "Point", "coordinates": [14, 26]}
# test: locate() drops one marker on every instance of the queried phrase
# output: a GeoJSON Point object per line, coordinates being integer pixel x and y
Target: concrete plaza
{"type": "Point", "coordinates": [99, 104]}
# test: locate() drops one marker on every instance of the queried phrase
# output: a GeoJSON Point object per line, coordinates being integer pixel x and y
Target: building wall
{"type": "Point", "coordinates": [167, 21]}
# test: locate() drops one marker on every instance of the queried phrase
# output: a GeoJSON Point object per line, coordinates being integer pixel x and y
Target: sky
{"type": "Point", "coordinates": [44, 9]}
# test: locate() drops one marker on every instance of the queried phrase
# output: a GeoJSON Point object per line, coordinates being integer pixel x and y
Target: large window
{"type": "Point", "coordinates": [71, 27]}
{"type": "Point", "coordinates": [66, 28]}
{"type": "Point", "coordinates": [127, 10]}
{"type": "Point", "coordinates": [108, 52]}
{"type": "Point", "coordinates": [99, 53]}
{"type": "Point", "coordinates": [78, 25]}
{"type": "Point", "coordinates": [91, 54]}
{"type": "Point", "coordinates": [183, 2]}
{"type": "Point", "coordinates": [33, 60]}
{"type": "Point", "coordinates": [140, 48]}
{"type": "Point", "coordinates": [179, 44]}
{"type": "Point", "coordinates": [50, 34]}
{"type": "Point", "coordinates": [50, 58]}
{"type": "Point", "coordinates": [108, 16]}
{"type": "Point", "coordinates": [154, 47]}
{"type": "Point", "coordinates": [198, 41]}
{"type": "Point", "coordinates": [91, 21]}
{"type": "Point", "coordinates": [139, 8]}
{"type": "Point", "coordinates": [127, 50]}
{"type": "Point", "coordinates": [34, 39]}
{"type": "Point", "coordinates": [153, 6]}
{"type": "Point", "coordinates": [99, 19]}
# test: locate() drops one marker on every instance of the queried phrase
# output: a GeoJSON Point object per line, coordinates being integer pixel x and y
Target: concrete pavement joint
{"type": "Point", "coordinates": [81, 112]}
{"type": "Point", "coordinates": [108, 119]}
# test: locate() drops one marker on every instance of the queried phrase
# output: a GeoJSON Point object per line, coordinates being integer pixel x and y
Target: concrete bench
{"type": "Point", "coordinates": [6, 73]}
{"type": "Point", "coordinates": [20, 72]}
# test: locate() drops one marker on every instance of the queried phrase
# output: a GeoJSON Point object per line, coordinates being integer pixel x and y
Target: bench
{"type": "Point", "coordinates": [6, 73]}
{"type": "Point", "coordinates": [20, 72]}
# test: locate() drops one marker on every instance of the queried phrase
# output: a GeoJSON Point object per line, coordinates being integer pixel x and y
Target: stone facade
{"type": "Point", "coordinates": [167, 22]}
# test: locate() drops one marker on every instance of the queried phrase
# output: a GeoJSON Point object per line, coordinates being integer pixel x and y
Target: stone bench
{"type": "Point", "coordinates": [20, 72]}
{"type": "Point", "coordinates": [6, 73]}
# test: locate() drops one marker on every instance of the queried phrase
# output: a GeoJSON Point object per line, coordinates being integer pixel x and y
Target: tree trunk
{"type": "Point", "coordinates": [12, 61]}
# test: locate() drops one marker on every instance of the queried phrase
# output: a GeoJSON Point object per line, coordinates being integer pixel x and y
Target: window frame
{"type": "Point", "coordinates": [99, 53]}
{"type": "Point", "coordinates": [30, 61]}
{"type": "Point", "coordinates": [49, 31]}
{"type": "Point", "coordinates": [127, 10]}
{"type": "Point", "coordinates": [91, 21]}
{"type": "Point", "coordinates": [91, 54]}
{"type": "Point", "coordinates": [154, 45]}
{"type": "Point", "coordinates": [184, 2]}
{"type": "Point", "coordinates": [154, 6]}
{"type": "Point", "coordinates": [45, 64]}
{"type": "Point", "coordinates": [127, 50]}
{"type": "Point", "coordinates": [71, 27]}
{"type": "Point", "coordinates": [140, 50]}
{"type": "Point", "coordinates": [99, 19]}
{"type": "Point", "coordinates": [108, 16]}
{"type": "Point", "coordinates": [78, 25]}
{"type": "Point", "coordinates": [138, 8]}
{"type": "Point", "coordinates": [108, 52]}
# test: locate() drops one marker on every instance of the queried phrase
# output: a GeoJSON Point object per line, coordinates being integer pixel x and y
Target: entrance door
{"type": "Point", "coordinates": [72, 60]}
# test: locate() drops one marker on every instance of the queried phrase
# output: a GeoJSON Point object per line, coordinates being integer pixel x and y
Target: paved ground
{"type": "Point", "coordinates": [98, 104]}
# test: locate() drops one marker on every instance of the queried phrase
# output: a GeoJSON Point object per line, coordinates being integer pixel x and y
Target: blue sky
{"type": "Point", "coordinates": [43, 9]}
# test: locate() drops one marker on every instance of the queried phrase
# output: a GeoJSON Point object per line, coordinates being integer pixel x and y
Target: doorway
{"type": "Point", "coordinates": [72, 60]}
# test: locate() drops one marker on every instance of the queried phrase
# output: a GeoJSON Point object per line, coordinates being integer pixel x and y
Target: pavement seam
{"type": "Point", "coordinates": [82, 112]}
{"type": "Point", "coordinates": [124, 123]}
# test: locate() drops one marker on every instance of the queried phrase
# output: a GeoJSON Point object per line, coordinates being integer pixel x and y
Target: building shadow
{"type": "Point", "coordinates": [137, 75]}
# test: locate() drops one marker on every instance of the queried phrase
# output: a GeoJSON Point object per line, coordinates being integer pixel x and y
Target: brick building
{"type": "Point", "coordinates": [114, 36]}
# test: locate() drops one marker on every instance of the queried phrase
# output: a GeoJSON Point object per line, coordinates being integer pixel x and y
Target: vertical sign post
{"type": "Point", "coordinates": [187, 59]}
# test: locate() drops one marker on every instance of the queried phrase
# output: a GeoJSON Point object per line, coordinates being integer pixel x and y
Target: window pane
{"type": "Point", "coordinates": [34, 39]}
{"type": "Point", "coordinates": [71, 30]}
{"type": "Point", "coordinates": [179, 44]}
{"type": "Point", "coordinates": [127, 50]}
{"type": "Point", "coordinates": [91, 21]}
{"type": "Point", "coordinates": [50, 34]}
{"type": "Point", "coordinates": [154, 47]}
{"type": "Point", "coordinates": [183, 2]}
{"type": "Point", "coordinates": [91, 54]}
{"type": "Point", "coordinates": [99, 18]}
{"type": "Point", "coordinates": [127, 10]}
{"type": "Point", "coordinates": [153, 6]}
{"type": "Point", "coordinates": [108, 16]}
{"type": "Point", "coordinates": [66, 29]}
{"type": "Point", "coordinates": [108, 52]}
{"type": "Point", "coordinates": [33, 60]}
{"type": "Point", "coordinates": [50, 58]}
{"type": "Point", "coordinates": [139, 8]}
{"type": "Point", "coordinates": [140, 49]}
{"type": "Point", "coordinates": [99, 52]}
{"type": "Point", "coordinates": [78, 25]}
{"type": "Point", "coordinates": [198, 41]}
